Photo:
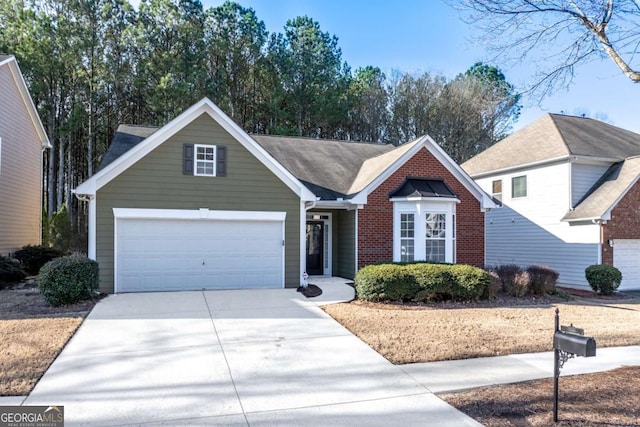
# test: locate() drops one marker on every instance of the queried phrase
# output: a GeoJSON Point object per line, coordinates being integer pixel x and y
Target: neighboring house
{"type": "Point", "coordinates": [570, 197]}
{"type": "Point", "coordinates": [22, 139]}
{"type": "Point", "coordinates": [199, 203]}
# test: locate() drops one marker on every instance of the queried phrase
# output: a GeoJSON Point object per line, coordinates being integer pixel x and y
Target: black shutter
{"type": "Point", "coordinates": [221, 160]}
{"type": "Point", "coordinates": [187, 159]}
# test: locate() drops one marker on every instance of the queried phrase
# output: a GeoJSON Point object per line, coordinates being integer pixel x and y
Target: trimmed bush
{"type": "Point", "coordinates": [420, 282]}
{"type": "Point", "coordinates": [10, 272]}
{"type": "Point", "coordinates": [508, 274]}
{"type": "Point", "coordinates": [32, 258]}
{"type": "Point", "coordinates": [69, 279]}
{"type": "Point", "coordinates": [385, 282]}
{"type": "Point", "coordinates": [542, 279]}
{"type": "Point", "coordinates": [603, 278]}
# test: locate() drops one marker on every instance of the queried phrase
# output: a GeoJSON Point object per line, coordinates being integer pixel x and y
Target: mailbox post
{"type": "Point", "coordinates": [568, 342]}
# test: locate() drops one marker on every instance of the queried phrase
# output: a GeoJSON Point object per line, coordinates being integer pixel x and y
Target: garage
{"type": "Point", "coordinates": [626, 257]}
{"type": "Point", "coordinates": [175, 250]}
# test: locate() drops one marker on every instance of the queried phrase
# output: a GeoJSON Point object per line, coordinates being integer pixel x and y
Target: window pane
{"type": "Point", "coordinates": [435, 250]}
{"type": "Point", "coordinates": [406, 250]}
{"type": "Point", "coordinates": [496, 189]}
{"type": "Point", "coordinates": [205, 156]}
{"type": "Point", "coordinates": [519, 186]}
{"type": "Point", "coordinates": [436, 226]}
{"type": "Point", "coordinates": [406, 225]}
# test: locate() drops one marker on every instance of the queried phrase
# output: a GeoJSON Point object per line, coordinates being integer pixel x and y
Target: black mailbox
{"type": "Point", "coordinates": [574, 344]}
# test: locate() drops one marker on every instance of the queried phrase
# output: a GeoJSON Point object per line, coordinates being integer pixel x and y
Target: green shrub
{"type": "Point", "coordinates": [385, 282]}
{"type": "Point", "coordinates": [420, 282]}
{"type": "Point", "coordinates": [542, 279]}
{"type": "Point", "coordinates": [32, 258]}
{"type": "Point", "coordinates": [69, 279]}
{"type": "Point", "coordinates": [10, 272]}
{"type": "Point", "coordinates": [603, 278]}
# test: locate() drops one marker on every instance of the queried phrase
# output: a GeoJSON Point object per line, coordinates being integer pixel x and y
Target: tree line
{"type": "Point", "coordinates": [93, 64]}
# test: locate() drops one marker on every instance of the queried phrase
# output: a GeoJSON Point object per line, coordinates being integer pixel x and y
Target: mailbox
{"type": "Point", "coordinates": [574, 344]}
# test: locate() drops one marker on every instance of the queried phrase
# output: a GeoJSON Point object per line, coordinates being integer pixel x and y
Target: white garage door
{"type": "Point", "coordinates": [626, 257]}
{"type": "Point", "coordinates": [186, 254]}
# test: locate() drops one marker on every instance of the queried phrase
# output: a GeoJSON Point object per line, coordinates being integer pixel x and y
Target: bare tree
{"type": "Point", "coordinates": [557, 35]}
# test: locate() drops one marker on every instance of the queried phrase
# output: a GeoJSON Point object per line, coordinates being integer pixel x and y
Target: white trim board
{"type": "Point", "coordinates": [198, 214]}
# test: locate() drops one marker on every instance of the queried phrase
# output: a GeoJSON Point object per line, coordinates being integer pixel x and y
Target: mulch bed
{"type": "Point", "coordinates": [310, 291]}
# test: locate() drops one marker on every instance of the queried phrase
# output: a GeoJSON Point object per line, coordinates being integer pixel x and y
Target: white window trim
{"type": "Point", "coordinates": [416, 217]}
{"type": "Point", "coordinates": [195, 159]}
{"type": "Point", "coordinates": [420, 208]}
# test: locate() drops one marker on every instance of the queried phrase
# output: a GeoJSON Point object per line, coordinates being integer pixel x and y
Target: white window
{"type": "Point", "coordinates": [519, 186]}
{"type": "Point", "coordinates": [496, 189]}
{"type": "Point", "coordinates": [435, 237]}
{"type": "Point", "coordinates": [205, 160]}
{"type": "Point", "coordinates": [424, 230]}
{"type": "Point", "coordinates": [407, 236]}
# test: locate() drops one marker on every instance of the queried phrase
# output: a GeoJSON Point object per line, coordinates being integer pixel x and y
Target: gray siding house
{"type": "Point", "coordinates": [200, 204]}
{"type": "Point", "coordinates": [22, 140]}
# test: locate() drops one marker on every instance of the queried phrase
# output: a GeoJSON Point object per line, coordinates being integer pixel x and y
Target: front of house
{"type": "Point", "coordinates": [570, 198]}
{"type": "Point", "coordinates": [200, 204]}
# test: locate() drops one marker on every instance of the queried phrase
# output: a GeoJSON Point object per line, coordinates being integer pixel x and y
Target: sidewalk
{"type": "Point", "coordinates": [456, 375]}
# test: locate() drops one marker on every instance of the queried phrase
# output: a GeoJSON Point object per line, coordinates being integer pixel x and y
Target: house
{"type": "Point", "coordinates": [570, 198]}
{"type": "Point", "coordinates": [199, 203]}
{"type": "Point", "coordinates": [22, 140]}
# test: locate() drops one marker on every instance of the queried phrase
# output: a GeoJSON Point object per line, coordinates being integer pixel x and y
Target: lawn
{"type": "Point", "coordinates": [446, 331]}
{"type": "Point", "coordinates": [602, 399]}
{"type": "Point", "coordinates": [427, 333]}
{"type": "Point", "coordinates": [32, 334]}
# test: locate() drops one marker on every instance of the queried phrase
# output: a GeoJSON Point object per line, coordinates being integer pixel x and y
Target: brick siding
{"type": "Point", "coordinates": [624, 223]}
{"type": "Point", "coordinates": [375, 220]}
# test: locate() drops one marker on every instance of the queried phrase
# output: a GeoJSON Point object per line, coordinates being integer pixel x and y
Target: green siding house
{"type": "Point", "coordinates": [201, 204]}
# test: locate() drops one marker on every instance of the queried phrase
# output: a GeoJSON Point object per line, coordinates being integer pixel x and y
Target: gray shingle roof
{"type": "Point", "coordinates": [556, 136]}
{"type": "Point", "coordinates": [607, 191]}
{"type": "Point", "coordinates": [330, 169]}
{"type": "Point", "coordinates": [126, 137]}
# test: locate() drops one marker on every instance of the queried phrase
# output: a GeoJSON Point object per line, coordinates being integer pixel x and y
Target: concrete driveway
{"type": "Point", "coordinates": [261, 357]}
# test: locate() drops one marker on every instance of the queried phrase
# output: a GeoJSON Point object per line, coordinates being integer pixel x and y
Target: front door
{"type": "Point", "coordinates": [315, 248]}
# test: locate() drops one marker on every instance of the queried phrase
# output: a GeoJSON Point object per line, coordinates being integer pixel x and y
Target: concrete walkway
{"type": "Point", "coordinates": [269, 357]}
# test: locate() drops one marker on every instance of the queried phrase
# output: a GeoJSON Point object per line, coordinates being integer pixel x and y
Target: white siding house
{"type": "Point", "coordinates": [564, 183]}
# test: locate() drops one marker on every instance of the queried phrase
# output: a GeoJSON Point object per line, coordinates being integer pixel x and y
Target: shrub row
{"type": "Point", "coordinates": [10, 272]}
{"type": "Point", "coordinates": [32, 258]}
{"type": "Point", "coordinates": [420, 282]}
{"type": "Point", "coordinates": [518, 282]}
{"type": "Point", "coordinates": [69, 279]}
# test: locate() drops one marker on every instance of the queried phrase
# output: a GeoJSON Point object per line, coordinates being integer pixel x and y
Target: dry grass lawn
{"type": "Point", "coordinates": [602, 399]}
{"type": "Point", "coordinates": [32, 334]}
{"type": "Point", "coordinates": [426, 333]}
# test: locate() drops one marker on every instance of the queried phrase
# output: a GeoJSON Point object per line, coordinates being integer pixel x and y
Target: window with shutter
{"type": "Point", "coordinates": [204, 160]}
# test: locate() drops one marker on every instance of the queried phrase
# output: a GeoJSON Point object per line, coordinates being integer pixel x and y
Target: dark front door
{"type": "Point", "coordinates": [315, 248]}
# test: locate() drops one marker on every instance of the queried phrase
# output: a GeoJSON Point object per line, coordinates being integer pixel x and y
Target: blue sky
{"type": "Point", "coordinates": [428, 35]}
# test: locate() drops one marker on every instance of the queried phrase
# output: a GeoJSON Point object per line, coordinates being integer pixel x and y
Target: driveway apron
{"type": "Point", "coordinates": [247, 358]}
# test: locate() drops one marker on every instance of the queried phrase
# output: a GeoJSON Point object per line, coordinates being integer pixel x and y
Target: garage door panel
{"type": "Point", "coordinates": [626, 257]}
{"type": "Point", "coordinates": [165, 254]}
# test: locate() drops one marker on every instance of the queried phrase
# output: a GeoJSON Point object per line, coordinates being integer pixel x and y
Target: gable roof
{"type": "Point", "coordinates": [10, 61]}
{"type": "Point", "coordinates": [328, 170]}
{"type": "Point", "coordinates": [145, 146]}
{"type": "Point", "coordinates": [555, 137]}
{"type": "Point", "coordinates": [607, 192]}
